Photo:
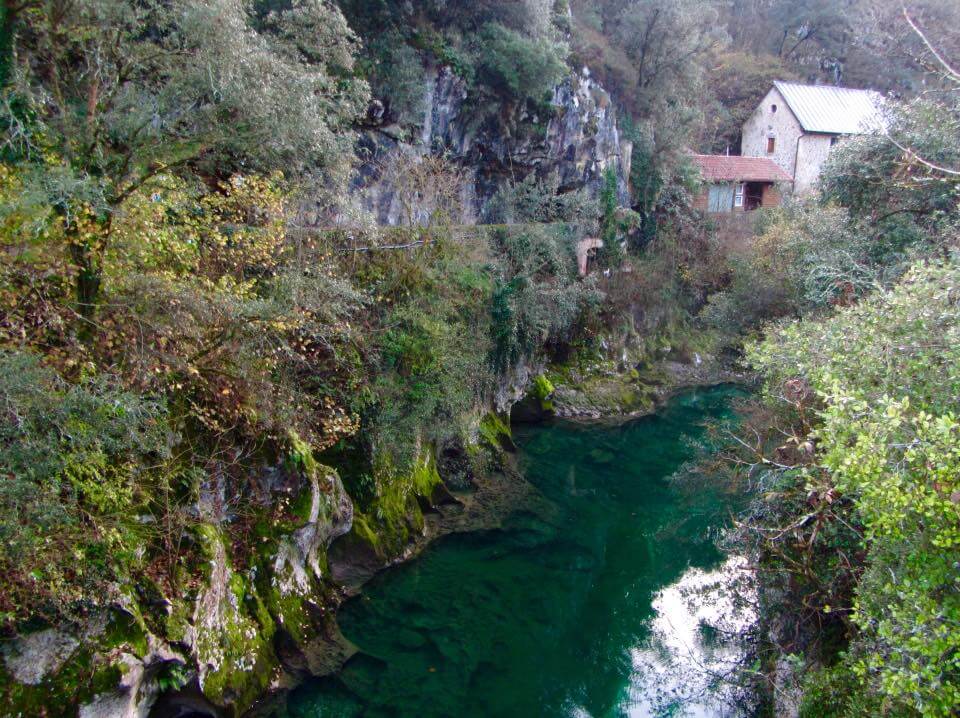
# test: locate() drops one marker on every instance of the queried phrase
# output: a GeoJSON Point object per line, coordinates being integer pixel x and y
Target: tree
{"type": "Point", "coordinates": [667, 42]}
{"type": "Point", "coordinates": [611, 253]}
{"type": "Point", "coordinates": [108, 94]}
{"type": "Point", "coordinates": [516, 67]}
{"type": "Point", "coordinates": [652, 56]}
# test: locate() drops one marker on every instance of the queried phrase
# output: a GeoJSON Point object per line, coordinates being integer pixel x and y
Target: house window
{"type": "Point", "coordinates": [771, 145]}
{"type": "Point", "coordinates": [738, 197]}
{"type": "Point", "coordinates": [773, 109]}
{"type": "Point", "coordinates": [834, 140]}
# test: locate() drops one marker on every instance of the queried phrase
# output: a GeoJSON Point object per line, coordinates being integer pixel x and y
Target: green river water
{"type": "Point", "coordinates": [607, 605]}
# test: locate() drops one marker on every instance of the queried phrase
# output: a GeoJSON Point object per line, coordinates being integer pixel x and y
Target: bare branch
{"type": "Point", "coordinates": [952, 73]}
{"type": "Point", "coordinates": [915, 157]}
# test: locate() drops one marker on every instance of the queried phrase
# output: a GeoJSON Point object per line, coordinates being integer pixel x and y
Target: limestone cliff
{"type": "Point", "coordinates": [576, 140]}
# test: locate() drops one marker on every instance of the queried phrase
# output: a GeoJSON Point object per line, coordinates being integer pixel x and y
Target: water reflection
{"type": "Point", "coordinates": [688, 664]}
{"type": "Point", "coordinates": [616, 603]}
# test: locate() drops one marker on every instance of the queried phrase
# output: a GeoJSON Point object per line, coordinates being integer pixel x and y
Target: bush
{"type": "Point", "coordinates": [536, 298]}
{"type": "Point", "coordinates": [74, 460]}
{"type": "Point", "coordinates": [886, 372]}
{"type": "Point", "coordinates": [396, 74]}
{"type": "Point", "coordinates": [538, 201]}
{"type": "Point", "coordinates": [518, 68]}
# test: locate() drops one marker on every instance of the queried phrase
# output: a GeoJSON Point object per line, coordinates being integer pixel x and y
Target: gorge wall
{"type": "Point", "coordinates": [576, 140]}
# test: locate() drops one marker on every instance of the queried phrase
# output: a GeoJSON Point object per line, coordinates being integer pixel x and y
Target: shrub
{"type": "Point", "coordinates": [536, 298]}
{"type": "Point", "coordinates": [74, 460]}
{"type": "Point", "coordinates": [536, 200]}
{"type": "Point", "coordinates": [517, 67]}
{"type": "Point", "coordinates": [886, 441]}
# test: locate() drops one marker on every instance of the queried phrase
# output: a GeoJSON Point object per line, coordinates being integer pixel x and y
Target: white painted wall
{"type": "Point", "coordinates": [782, 125]}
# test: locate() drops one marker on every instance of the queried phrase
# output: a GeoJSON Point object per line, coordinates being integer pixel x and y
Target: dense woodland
{"type": "Point", "coordinates": [187, 296]}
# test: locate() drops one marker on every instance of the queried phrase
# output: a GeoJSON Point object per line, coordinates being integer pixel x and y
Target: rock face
{"type": "Point", "coordinates": [224, 642]}
{"type": "Point", "coordinates": [331, 516]}
{"type": "Point", "coordinates": [577, 141]}
{"type": "Point", "coordinates": [39, 654]}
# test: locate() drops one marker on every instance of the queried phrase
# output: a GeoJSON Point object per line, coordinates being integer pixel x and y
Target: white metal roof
{"type": "Point", "coordinates": [833, 110]}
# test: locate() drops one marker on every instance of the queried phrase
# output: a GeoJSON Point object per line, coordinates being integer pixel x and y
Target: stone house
{"type": "Point", "coordinates": [738, 184]}
{"type": "Point", "coordinates": [796, 126]}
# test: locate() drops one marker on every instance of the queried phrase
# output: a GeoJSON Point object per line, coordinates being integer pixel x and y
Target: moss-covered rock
{"type": "Point", "coordinates": [395, 518]}
{"type": "Point", "coordinates": [494, 432]}
{"type": "Point", "coordinates": [56, 671]}
{"type": "Point", "coordinates": [543, 390]}
{"type": "Point", "coordinates": [603, 390]}
{"type": "Point", "coordinates": [232, 649]}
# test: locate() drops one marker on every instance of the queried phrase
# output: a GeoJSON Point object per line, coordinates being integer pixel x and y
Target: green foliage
{"type": "Point", "coordinates": [895, 343]}
{"type": "Point", "coordinates": [509, 53]}
{"type": "Point", "coordinates": [836, 692]}
{"type": "Point", "coordinates": [75, 460]}
{"type": "Point", "coordinates": [539, 201]}
{"type": "Point", "coordinates": [543, 389]}
{"type": "Point", "coordinates": [211, 82]}
{"type": "Point", "coordinates": [431, 357]}
{"type": "Point", "coordinates": [611, 253]}
{"type": "Point", "coordinates": [537, 298]}
{"type": "Point", "coordinates": [886, 372]}
{"type": "Point", "coordinates": [517, 67]}
{"type": "Point", "coordinates": [395, 71]}
{"type": "Point", "coordinates": [494, 431]}
{"type": "Point", "coordinates": [915, 207]}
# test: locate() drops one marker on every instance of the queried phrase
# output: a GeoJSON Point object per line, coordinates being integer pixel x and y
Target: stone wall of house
{"type": "Point", "coordinates": [781, 125]}
{"type": "Point", "coordinates": [812, 153]}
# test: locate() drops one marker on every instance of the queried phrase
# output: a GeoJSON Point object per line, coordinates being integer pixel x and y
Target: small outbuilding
{"type": "Point", "coordinates": [738, 184]}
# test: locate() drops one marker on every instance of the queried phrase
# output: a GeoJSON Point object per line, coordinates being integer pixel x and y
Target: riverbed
{"type": "Point", "coordinates": [614, 601]}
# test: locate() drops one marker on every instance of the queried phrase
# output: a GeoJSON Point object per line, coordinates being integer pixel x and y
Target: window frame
{"type": "Point", "coordinates": [738, 195]}
{"type": "Point", "coordinates": [771, 145]}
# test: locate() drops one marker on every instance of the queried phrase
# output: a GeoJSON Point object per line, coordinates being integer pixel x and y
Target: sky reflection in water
{"type": "Point", "coordinates": [587, 610]}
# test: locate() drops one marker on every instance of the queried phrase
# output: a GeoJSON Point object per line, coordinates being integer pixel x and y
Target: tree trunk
{"type": "Point", "coordinates": [7, 19]}
{"type": "Point", "coordinates": [88, 280]}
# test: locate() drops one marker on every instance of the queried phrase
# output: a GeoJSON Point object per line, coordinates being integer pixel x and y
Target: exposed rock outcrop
{"type": "Point", "coordinates": [576, 141]}
{"type": "Point", "coordinates": [220, 641]}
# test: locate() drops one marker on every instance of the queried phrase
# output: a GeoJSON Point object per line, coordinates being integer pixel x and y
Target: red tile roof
{"type": "Point", "coordinates": [717, 168]}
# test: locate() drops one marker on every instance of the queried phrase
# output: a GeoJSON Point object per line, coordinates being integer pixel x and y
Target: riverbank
{"type": "Point", "coordinates": [496, 495]}
{"type": "Point", "coordinates": [546, 593]}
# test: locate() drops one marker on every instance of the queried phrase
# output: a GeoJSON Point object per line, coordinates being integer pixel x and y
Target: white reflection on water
{"type": "Point", "coordinates": [695, 644]}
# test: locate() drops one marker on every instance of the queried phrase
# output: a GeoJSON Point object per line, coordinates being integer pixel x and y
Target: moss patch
{"type": "Point", "coordinates": [92, 669]}
{"type": "Point", "coordinates": [391, 519]}
{"type": "Point", "coordinates": [543, 390]}
{"type": "Point", "coordinates": [233, 647]}
{"type": "Point", "coordinates": [495, 432]}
